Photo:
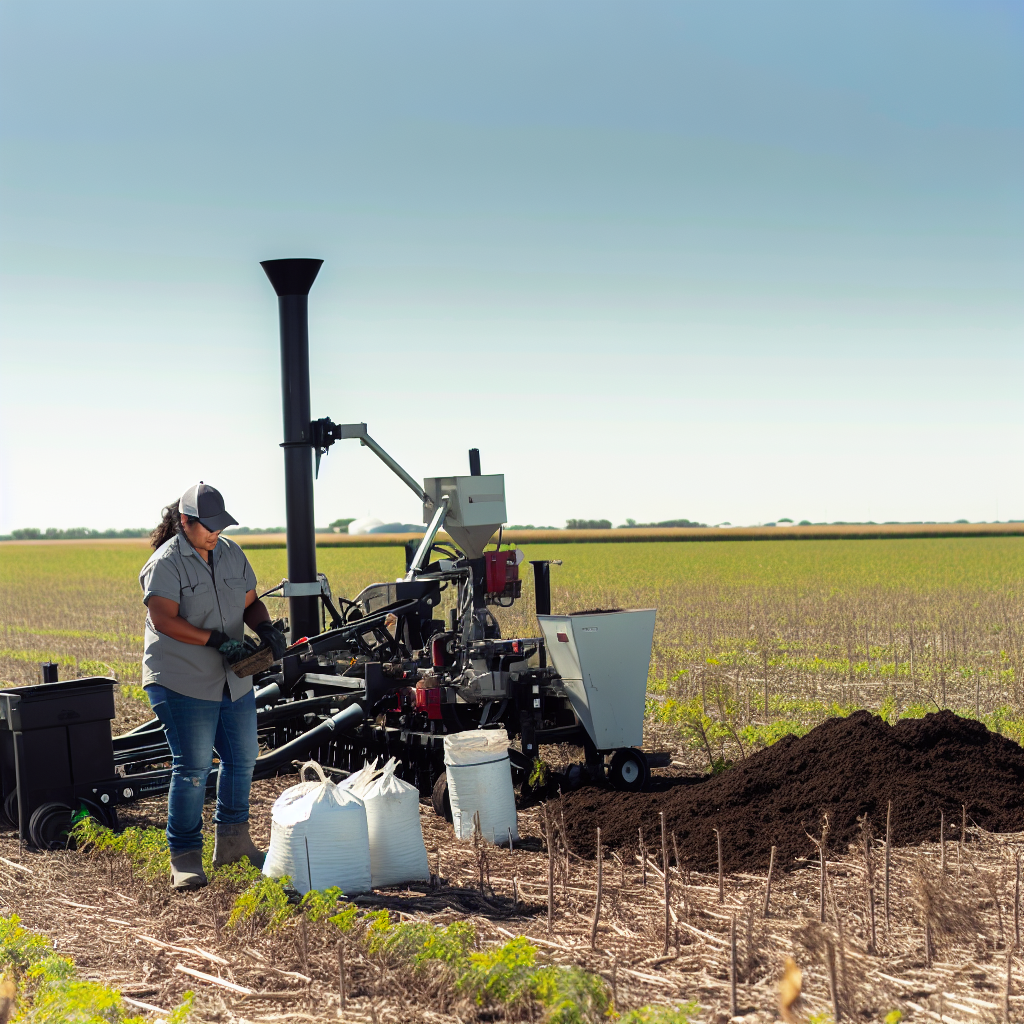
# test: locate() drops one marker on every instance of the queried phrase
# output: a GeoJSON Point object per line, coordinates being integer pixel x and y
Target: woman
{"type": "Point", "coordinates": [199, 590]}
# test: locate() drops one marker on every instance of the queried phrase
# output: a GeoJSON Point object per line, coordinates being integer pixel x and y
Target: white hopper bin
{"type": "Point", "coordinates": [603, 659]}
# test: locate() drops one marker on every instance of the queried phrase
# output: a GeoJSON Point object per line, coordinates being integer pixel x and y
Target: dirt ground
{"type": "Point", "coordinates": [137, 936]}
{"type": "Point", "coordinates": [912, 775]}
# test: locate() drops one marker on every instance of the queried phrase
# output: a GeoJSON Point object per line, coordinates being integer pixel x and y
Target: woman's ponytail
{"type": "Point", "coordinates": [168, 527]}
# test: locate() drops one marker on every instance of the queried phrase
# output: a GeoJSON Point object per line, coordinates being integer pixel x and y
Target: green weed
{"type": "Point", "coordinates": [571, 995]}
{"type": "Point", "coordinates": [53, 993]}
{"type": "Point", "coordinates": [658, 1014]}
{"type": "Point", "coordinates": [418, 943]}
{"type": "Point", "coordinates": [266, 901]}
{"type": "Point", "coordinates": [540, 773]}
{"type": "Point", "coordinates": [326, 905]}
{"type": "Point", "coordinates": [501, 975]}
{"type": "Point", "coordinates": [146, 848]}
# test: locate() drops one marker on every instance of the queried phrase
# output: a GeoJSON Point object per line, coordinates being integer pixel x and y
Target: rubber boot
{"type": "Point", "coordinates": [187, 870]}
{"type": "Point", "coordinates": [232, 843]}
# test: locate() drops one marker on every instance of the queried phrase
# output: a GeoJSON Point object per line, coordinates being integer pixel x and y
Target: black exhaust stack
{"type": "Point", "coordinates": [292, 280]}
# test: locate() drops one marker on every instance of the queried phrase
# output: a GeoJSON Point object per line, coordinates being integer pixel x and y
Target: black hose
{"type": "Point", "coordinates": [297, 708]}
{"type": "Point", "coordinates": [128, 740]}
{"type": "Point", "coordinates": [270, 763]}
{"type": "Point", "coordinates": [267, 695]}
{"type": "Point", "coordinates": [153, 725]}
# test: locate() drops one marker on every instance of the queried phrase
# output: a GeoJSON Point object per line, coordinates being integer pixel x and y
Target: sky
{"type": "Point", "coordinates": [725, 260]}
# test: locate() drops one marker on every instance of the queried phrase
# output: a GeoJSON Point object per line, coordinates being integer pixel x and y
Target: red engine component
{"type": "Point", "coordinates": [437, 652]}
{"type": "Point", "coordinates": [501, 574]}
{"type": "Point", "coordinates": [429, 700]}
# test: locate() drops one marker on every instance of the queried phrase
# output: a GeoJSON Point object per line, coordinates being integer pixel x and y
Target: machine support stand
{"type": "Point", "coordinates": [542, 586]}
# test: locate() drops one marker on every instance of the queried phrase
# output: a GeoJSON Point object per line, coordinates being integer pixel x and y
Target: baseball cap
{"type": "Point", "coordinates": [205, 503]}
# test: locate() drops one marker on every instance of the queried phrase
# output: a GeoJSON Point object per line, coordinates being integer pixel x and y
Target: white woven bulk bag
{"type": "Point", "coordinates": [480, 781]}
{"type": "Point", "coordinates": [360, 779]}
{"type": "Point", "coordinates": [397, 853]}
{"type": "Point", "coordinates": [319, 837]}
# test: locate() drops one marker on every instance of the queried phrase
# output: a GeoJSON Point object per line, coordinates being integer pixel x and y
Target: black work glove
{"type": "Point", "coordinates": [217, 638]}
{"type": "Point", "coordinates": [233, 650]}
{"type": "Point", "coordinates": [272, 637]}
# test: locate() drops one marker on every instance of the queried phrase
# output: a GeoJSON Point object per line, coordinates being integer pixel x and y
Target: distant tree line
{"type": "Point", "coordinates": [74, 533]}
{"type": "Point", "coordinates": [84, 533]}
{"type": "Point", "coordinates": [341, 526]}
{"type": "Point", "coordinates": [243, 530]}
{"type": "Point", "coordinates": [632, 524]}
{"type": "Point", "coordinates": [629, 524]}
{"type": "Point", "coordinates": [605, 524]}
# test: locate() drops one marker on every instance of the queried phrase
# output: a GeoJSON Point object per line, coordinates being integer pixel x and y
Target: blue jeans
{"type": "Point", "coordinates": [195, 729]}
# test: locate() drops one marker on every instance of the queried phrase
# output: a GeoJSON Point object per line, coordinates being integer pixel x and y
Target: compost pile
{"type": "Point", "coordinates": [845, 768]}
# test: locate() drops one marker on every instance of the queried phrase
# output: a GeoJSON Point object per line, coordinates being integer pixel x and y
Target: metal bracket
{"type": "Point", "coordinates": [303, 589]}
{"type": "Point", "coordinates": [289, 589]}
{"type": "Point", "coordinates": [324, 432]}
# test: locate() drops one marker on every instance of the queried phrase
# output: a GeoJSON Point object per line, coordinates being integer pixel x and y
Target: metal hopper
{"type": "Point", "coordinates": [603, 659]}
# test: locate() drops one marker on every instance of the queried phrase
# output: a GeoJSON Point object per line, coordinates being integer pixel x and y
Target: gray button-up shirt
{"type": "Point", "coordinates": [209, 596]}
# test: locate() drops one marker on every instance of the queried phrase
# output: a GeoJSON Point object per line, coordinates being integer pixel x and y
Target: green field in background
{"type": "Point", "coordinates": [899, 626]}
{"type": "Point", "coordinates": [96, 588]}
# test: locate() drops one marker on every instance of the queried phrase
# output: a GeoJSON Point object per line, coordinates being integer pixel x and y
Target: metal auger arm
{"type": "Point", "coordinates": [324, 432]}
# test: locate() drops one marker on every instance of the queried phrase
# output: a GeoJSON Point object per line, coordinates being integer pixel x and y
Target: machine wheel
{"type": "Point", "coordinates": [440, 799]}
{"type": "Point", "coordinates": [11, 808]}
{"type": "Point", "coordinates": [628, 770]}
{"type": "Point", "coordinates": [526, 793]}
{"type": "Point", "coordinates": [50, 826]}
{"type": "Point", "coordinates": [105, 814]}
{"type": "Point", "coordinates": [6, 821]}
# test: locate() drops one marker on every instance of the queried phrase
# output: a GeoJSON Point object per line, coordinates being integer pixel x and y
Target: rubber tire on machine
{"type": "Point", "coordinates": [9, 812]}
{"type": "Point", "coordinates": [105, 814]}
{"type": "Point", "coordinates": [629, 771]}
{"type": "Point", "coordinates": [440, 799]}
{"type": "Point", "coordinates": [526, 793]}
{"type": "Point", "coordinates": [49, 826]}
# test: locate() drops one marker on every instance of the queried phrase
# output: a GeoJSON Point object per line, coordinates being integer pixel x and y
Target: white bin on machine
{"type": "Point", "coordinates": [603, 659]}
{"type": "Point", "coordinates": [397, 851]}
{"type": "Point", "coordinates": [319, 837]}
{"type": "Point", "coordinates": [480, 782]}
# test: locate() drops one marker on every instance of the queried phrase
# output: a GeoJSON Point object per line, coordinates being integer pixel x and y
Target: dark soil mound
{"type": "Point", "coordinates": [845, 768]}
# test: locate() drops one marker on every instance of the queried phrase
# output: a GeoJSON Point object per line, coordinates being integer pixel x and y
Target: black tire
{"type": "Point", "coordinates": [629, 771]}
{"type": "Point", "coordinates": [440, 799]}
{"type": "Point", "coordinates": [49, 827]}
{"type": "Point", "coordinates": [105, 814]}
{"type": "Point", "coordinates": [526, 793]}
{"type": "Point", "coordinates": [11, 808]}
{"type": "Point", "coordinates": [9, 815]}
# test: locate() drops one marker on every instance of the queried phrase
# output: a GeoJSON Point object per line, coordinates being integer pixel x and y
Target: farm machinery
{"type": "Point", "coordinates": [387, 673]}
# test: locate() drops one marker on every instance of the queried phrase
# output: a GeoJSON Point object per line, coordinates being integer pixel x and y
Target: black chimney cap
{"type": "Point", "coordinates": [292, 277]}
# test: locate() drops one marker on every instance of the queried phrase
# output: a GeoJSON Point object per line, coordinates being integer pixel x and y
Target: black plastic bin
{"type": "Point", "coordinates": [54, 739]}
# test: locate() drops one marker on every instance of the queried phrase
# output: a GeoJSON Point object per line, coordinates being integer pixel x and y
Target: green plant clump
{"type": "Point", "coordinates": [52, 993]}
{"type": "Point", "coordinates": [266, 901]}
{"type": "Point", "coordinates": [658, 1014]}
{"type": "Point", "coordinates": [540, 773]}
{"type": "Point", "coordinates": [147, 850]}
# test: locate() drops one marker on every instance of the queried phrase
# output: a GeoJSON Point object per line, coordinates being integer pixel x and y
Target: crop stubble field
{"type": "Point", "coordinates": [897, 626]}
